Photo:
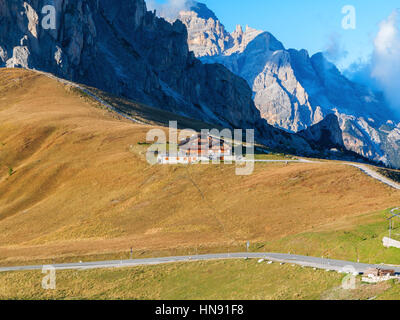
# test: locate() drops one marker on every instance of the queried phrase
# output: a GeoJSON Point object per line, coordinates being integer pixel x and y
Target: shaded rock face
{"type": "Point", "coordinates": [326, 133]}
{"type": "Point", "coordinates": [294, 91]}
{"type": "Point", "coordinates": [120, 47]}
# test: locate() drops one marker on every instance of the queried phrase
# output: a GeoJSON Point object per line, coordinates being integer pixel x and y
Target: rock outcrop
{"type": "Point", "coordinates": [208, 37]}
{"type": "Point", "coordinates": [121, 48]}
{"type": "Point", "coordinates": [326, 133]}
{"type": "Point", "coordinates": [294, 91]}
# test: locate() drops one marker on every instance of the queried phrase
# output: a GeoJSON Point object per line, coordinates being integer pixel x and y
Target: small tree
{"type": "Point", "coordinates": [10, 171]}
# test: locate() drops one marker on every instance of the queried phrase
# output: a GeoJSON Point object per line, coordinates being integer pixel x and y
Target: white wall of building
{"type": "Point", "coordinates": [390, 243]}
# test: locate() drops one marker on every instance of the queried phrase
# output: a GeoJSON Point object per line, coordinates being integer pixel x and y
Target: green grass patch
{"type": "Point", "coordinates": [352, 243]}
{"type": "Point", "coordinates": [219, 280]}
{"type": "Point", "coordinates": [273, 156]}
{"type": "Point", "coordinates": [230, 279]}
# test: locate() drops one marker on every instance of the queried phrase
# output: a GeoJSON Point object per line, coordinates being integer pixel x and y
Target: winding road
{"type": "Point", "coordinates": [304, 261]}
{"type": "Point", "coordinates": [373, 174]}
{"type": "Point", "coordinates": [364, 168]}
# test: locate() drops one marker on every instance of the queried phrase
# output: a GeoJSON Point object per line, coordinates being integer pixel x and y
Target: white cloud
{"type": "Point", "coordinates": [170, 9]}
{"type": "Point", "coordinates": [382, 71]}
{"type": "Point", "coordinates": [335, 50]}
{"type": "Point", "coordinates": [385, 63]}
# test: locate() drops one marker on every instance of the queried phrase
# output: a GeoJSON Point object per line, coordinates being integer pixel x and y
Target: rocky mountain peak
{"type": "Point", "coordinates": [207, 36]}
{"type": "Point", "coordinates": [122, 48]}
{"type": "Point", "coordinates": [294, 91]}
{"type": "Point", "coordinates": [202, 11]}
{"type": "Point", "coordinates": [326, 133]}
{"type": "Point", "coordinates": [238, 30]}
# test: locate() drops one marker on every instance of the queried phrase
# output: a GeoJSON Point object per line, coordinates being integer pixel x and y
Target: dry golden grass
{"type": "Point", "coordinates": [80, 185]}
{"type": "Point", "coordinates": [230, 279]}
{"type": "Point", "coordinates": [233, 279]}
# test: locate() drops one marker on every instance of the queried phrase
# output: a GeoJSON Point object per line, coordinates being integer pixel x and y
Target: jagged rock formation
{"type": "Point", "coordinates": [294, 91]}
{"type": "Point", "coordinates": [326, 133]}
{"type": "Point", "coordinates": [208, 37]}
{"type": "Point", "coordinates": [121, 48]}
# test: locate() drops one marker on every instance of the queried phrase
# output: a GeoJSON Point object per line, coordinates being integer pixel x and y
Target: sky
{"type": "Point", "coordinates": [314, 25]}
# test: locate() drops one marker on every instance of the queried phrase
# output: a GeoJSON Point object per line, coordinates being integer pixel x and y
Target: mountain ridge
{"type": "Point", "coordinates": [126, 50]}
{"type": "Point", "coordinates": [123, 49]}
{"type": "Point", "coordinates": [294, 91]}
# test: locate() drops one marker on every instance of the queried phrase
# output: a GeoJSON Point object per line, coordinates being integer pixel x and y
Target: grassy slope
{"type": "Point", "coordinates": [235, 279]}
{"type": "Point", "coordinates": [358, 238]}
{"type": "Point", "coordinates": [80, 186]}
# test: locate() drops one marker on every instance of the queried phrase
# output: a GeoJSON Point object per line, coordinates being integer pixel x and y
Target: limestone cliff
{"type": "Point", "coordinates": [120, 47]}
{"type": "Point", "coordinates": [294, 90]}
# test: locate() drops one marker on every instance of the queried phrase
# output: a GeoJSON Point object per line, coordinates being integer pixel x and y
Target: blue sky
{"type": "Point", "coordinates": [310, 24]}
{"type": "Point", "coordinates": [314, 25]}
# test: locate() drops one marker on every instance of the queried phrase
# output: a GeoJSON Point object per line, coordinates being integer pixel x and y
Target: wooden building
{"type": "Point", "coordinates": [205, 146]}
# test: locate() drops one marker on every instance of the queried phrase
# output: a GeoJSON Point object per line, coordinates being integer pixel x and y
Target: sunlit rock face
{"type": "Point", "coordinates": [293, 90]}
{"type": "Point", "coordinates": [208, 37]}
{"type": "Point", "coordinates": [122, 48]}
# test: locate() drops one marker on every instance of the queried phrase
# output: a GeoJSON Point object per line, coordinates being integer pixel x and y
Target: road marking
{"type": "Point", "coordinates": [304, 261]}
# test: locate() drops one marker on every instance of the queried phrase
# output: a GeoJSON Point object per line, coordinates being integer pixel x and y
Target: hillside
{"type": "Point", "coordinates": [123, 49]}
{"type": "Point", "coordinates": [126, 51]}
{"type": "Point", "coordinates": [74, 182]}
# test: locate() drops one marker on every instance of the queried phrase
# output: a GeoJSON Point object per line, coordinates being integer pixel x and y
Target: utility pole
{"type": "Point", "coordinates": [391, 223]}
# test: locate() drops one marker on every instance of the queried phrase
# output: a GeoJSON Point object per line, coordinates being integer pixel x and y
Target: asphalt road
{"type": "Point", "coordinates": [370, 172]}
{"type": "Point", "coordinates": [284, 161]}
{"type": "Point", "coordinates": [305, 261]}
{"type": "Point", "coordinates": [364, 168]}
